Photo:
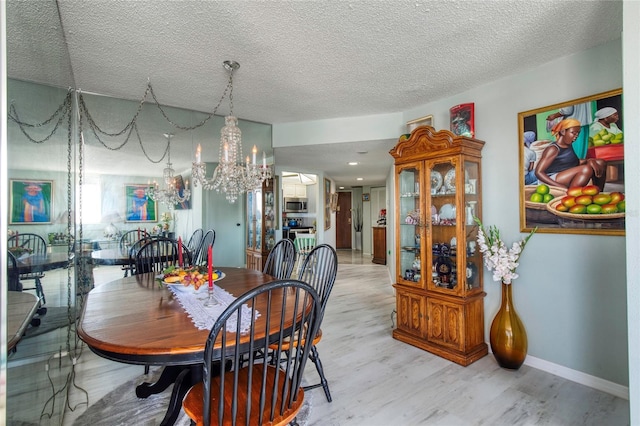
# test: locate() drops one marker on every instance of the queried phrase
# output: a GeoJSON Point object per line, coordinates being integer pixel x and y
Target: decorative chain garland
{"type": "Point", "coordinates": [65, 109]}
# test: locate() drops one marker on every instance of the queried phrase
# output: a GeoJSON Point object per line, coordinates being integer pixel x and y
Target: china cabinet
{"type": "Point", "coordinates": [439, 289]}
{"type": "Point", "coordinates": [261, 223]}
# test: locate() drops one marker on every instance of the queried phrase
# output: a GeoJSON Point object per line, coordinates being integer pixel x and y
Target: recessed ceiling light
{"type": "Point", "coordinates": [359, 178]}
{"type": "Point", "coordinates": [352, 163]}
{"type": "Point", "coordinates": [363, 152]}
{"type": "Point", "coordinates": [341, 187]}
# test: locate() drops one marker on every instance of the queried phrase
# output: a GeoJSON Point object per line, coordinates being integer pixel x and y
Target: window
{"type": "Point", "coordinates": [91, 203]}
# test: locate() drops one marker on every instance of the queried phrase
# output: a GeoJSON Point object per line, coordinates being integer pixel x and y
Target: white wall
{"type": "Point", "coordinates": [338, 130]}
{"type": "Point", "coordinates": [631, 99]}
{"type": "Point", "coordinates": [572, 291]}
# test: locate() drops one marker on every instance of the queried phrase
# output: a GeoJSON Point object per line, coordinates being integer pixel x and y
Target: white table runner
{"type": "Point", "coordinates": [203, 317]}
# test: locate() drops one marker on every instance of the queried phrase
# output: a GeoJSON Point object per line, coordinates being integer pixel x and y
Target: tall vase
{"type": "Point", "coordinates": [358, 240]}
{"type": "Point", "coordinates": [508, 336]}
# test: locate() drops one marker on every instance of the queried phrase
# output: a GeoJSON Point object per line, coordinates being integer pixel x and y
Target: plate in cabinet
{"type": "Point", "coordinates": [436, 180]}
{"type": "Point", "coordinates": [450, 180]}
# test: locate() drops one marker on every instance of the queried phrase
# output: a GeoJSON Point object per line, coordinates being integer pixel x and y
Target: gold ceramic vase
{"type": "Point", "coordinates": [508, 336]}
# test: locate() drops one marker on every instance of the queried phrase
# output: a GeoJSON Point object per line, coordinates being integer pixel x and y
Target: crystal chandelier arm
{"type": "Point", "coordinates": [170, 195]}
{"type": "Point", "coordinates": [234, 175]}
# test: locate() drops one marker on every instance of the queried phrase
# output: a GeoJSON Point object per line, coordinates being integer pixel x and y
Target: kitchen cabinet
{"type": "Point", "coordinates": [379, 245]}
{"type": "Point", "coordinates": [294, 190]}
{"type": "Point", "coordinates": [262, 222]}
{"type": "Point", "coordinates": [439, 288]}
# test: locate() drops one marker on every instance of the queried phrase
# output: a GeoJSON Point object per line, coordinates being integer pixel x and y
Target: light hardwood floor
{"type": "Point", "coordinates": [374, 379]}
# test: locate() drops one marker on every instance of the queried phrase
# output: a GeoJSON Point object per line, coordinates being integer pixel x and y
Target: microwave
{"type": "Point", "coordinates": [295, 205]}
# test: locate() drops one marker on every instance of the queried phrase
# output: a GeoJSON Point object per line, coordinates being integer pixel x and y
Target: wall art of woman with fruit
{"type": "Point", "coordinates": [560, 166]}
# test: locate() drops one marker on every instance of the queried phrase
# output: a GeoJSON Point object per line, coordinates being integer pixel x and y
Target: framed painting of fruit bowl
{"type": "Point", "coordinates": [572, 166]}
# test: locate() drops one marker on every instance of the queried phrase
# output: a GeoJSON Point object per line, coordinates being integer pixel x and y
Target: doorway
{"type": "Point", "coordinates": [343, 221]}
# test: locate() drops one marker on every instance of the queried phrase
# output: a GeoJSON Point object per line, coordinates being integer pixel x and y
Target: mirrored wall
{"type": "Point", "coordinates": [87, 153]}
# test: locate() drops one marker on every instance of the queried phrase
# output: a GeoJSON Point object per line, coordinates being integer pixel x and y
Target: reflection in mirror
{"type": "Point", "coordinates": [101, 169]}
{"type": "Point", "coordinates": [34, 36]}
{"type": "Point", "coordinates": [89, 198]}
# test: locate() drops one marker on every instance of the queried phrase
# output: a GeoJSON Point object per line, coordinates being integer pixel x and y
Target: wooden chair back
{"type": "Point", "coordinates": [34, 244]}
{"type": "Point", "coordinates": [281, 260]}
{"type": "Point", "coordinates": [304, 243]}
{"type": "Point", "coordinates": [319, 270]}
{"type": "Point", "coordinates": [12, 273]}
{"type": "Point", "coordinates": [158, 254]}
{"type": "Point", "coordinates": [31, 243]}
{"type": "Point", "coordinates": [195, 241]}
{"type": "Point", "coordinates": [130, 237]}
{"type": "Point", "coordinates": [208, 239]}
{"type": "Point", "coordinates": [128, 240]}
{"type": "Point", "coordinates": [259, 393]}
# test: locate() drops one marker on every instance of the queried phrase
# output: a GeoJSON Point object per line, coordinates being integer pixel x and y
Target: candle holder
{"type": "Point", "coordinates": [211, 301]}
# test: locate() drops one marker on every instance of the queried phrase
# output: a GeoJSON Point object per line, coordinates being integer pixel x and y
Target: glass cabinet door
{"type": "Point", "coordinates": [442, 244]}
{"type": "Point", "coordinates": [258, 218]}
{"type": "Point", "coordinates": [251, 220]}
{"type": "Point", "coordinates": [472, 209]}
{"type": "Point", "coordinates": [410, 225]}
{"type": "Point", "coordinates": [269, 215]}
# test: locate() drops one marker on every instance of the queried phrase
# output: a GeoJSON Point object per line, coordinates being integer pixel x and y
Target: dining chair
{"type": "Point", "coordinates": [304, 243]}
{"type": "Point", "coordinates": [154, 254]}
{"type": "Point", "coordinates": [159, 253]}
{"type": "Point", "coordinates": [195, 241]}
{"type": "Point", "coordinates": [135, 248]}
{"type": "Point", "coordinates": [319, 270]}
{"type": "Point", "coordinates": [127, 240]}
{"type": "Point", "coordinates": [13, 277]}
{"type": "Point", "coordinates": [14, 284]}
{"type": "Point", "coordinates": [258, 393]}
{"type": "Point", "coordinates": [208, 240]}
{"type": "Point", "coordinates": [33, 244]}
{"type": "Point", "coordinates": [281, 260]}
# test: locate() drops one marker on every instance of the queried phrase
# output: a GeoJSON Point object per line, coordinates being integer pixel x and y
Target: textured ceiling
{"type": "Point", "coordinates": [300, 60]}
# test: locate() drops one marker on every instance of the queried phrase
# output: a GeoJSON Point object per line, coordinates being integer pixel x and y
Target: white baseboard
{"type": "Point", "coordinates": [578, 377]}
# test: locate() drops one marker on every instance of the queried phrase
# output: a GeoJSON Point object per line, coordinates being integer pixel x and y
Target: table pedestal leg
{"type": "Point", "coordinates": [168, 376]}
{"type": "Point", "coordinates": [183, 378]}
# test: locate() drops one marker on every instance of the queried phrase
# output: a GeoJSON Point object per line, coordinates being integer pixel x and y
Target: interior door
{"type": "Point", "coordinates": [228, 220]}
{"type": "Point", "coordinates": [343, 221]}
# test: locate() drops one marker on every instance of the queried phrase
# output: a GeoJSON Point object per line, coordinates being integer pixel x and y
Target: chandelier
{"type": "Point", "coordinates": [233, 176]}
{"type": "Point", "coordinates": [173, 192]}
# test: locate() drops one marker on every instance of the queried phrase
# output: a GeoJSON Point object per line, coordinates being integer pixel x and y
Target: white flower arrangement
{"type": "Point", "coordinates": [166, 218]}
{"type": "Point", "coordinates": [497, 258]}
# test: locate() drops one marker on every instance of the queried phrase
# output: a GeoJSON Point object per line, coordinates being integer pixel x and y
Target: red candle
{"type": "Point", "coordinates": [16, 240]}
{"type": "Point", "coordinates": [138, 233]}
{"type": "Point", "coordinates": [180, 252]}
{"type": "Point", "coordinates": [210, 266]}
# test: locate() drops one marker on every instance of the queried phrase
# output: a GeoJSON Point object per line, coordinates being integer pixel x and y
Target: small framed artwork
{"type": "Point", "coordinates": [181, 185]}
{"type": "Point", "coordinates": [571, 156]}
{"type": "Point", "coordinates": [334, 202]}
{"type": "Point", "coordinates": [365, 197]}
{"type": "Point", "coordinates": [461, 120]}
{"type": "Point", "coordinates": [427, 120]}
{"type": "Point", "coordinates": [139, 206]}
{"type": "Point", "coordinates": [31, 201]}
{"type": "Point", "coordinates": [327, 204]}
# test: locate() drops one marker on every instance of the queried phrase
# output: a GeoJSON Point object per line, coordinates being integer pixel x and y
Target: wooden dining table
{"type": "Point", "coordinates": [111, 256]}
{"type": "Point", "coordinates": [21, 308]}
{"type": "Point", "coordinates": [137, 320]}
{"type": "Point", "coordinates": [42, 262]}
